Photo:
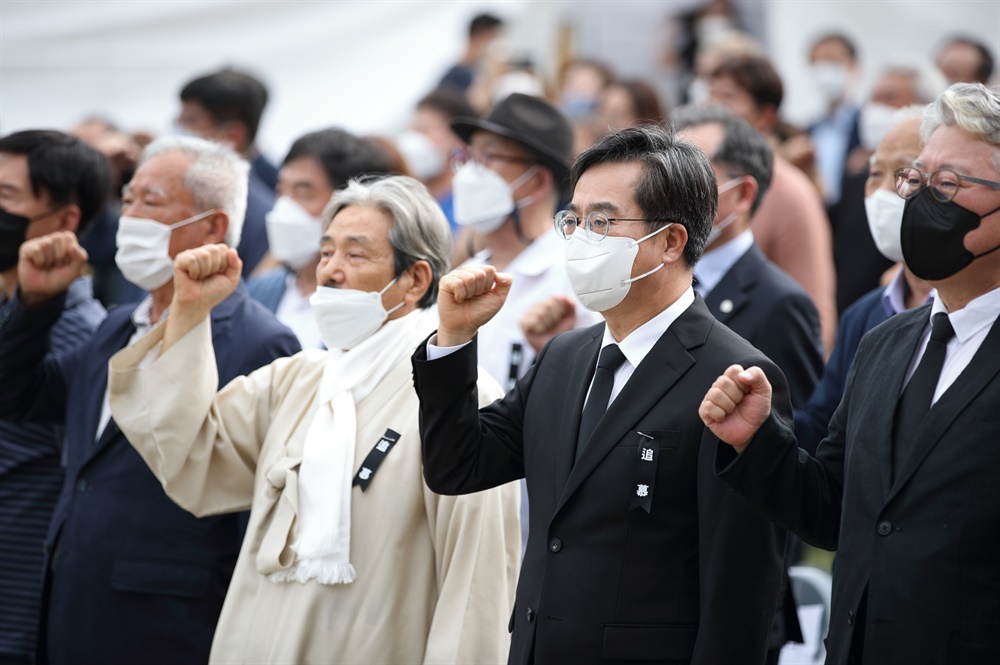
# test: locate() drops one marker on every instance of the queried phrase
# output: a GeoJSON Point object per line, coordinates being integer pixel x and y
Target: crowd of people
{"type": "Point", "coordinates": [558, 374]}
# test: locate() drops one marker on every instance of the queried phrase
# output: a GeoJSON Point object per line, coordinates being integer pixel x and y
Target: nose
{"type": "Point", "coordinates": [330, 272]}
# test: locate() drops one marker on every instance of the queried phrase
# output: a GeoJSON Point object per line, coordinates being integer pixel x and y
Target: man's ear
{"type": "Point", "coordinates": [69, 218]}
{"type": "Point", "coordinates": [676, 241]}
{"type": "Point", "coordinates": [218, 225]}
{"type": "Point", "coordinates": [747, 194]}
{"type": "Point", "coordinates": [422, 276]}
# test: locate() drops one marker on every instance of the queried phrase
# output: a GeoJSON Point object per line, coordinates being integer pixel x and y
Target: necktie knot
{"type": "Point", "coordinates": [941, 329]}
{"type": "Point", "coordinates": [611, 357]}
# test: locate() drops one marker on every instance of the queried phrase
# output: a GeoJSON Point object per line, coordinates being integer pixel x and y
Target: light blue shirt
{"type": "Point", "coordinates": [831, 136]}
{"type": "Point", "coordinates": [714, 265]}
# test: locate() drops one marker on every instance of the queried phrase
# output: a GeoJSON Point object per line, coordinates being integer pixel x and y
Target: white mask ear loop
{"type": "Point", "coordinates": [647, 274]}
{"type": "Point", "coordinates": [382, 292]}
{"type": "Point", "coordinates": [520, 180]}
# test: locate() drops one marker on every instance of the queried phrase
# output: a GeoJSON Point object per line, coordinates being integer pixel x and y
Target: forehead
{"type": "Point", "coordinates": [831, 49]}
{"type": "Point", "coordinates": [363, 223]}
{"type": "Point", "coordinates": [14, 171]}
{"type": "Point", "coordinates": [304, 169]}
{"type": "Point", "coordinates": [609, 187]}
{"type": "Point", "coordinates": [164, 171]}
{"type": "Point", "coordinates": [901, 144]}
{"type": "Point", "coordinates": [956, 149]}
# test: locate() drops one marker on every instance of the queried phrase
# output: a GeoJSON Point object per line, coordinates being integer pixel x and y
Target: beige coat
{"type": "Point", "coordinates": [435, 574]}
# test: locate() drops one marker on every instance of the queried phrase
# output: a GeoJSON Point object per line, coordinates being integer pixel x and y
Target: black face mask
{"type": "Point", "coordinates": [12, 230]}
{"type": "Point", "coordinates": [933, 236]}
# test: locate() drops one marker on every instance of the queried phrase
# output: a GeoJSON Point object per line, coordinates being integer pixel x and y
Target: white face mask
{"type": "Point", "coordinates": [601, 270]}
{"type": "Point", "coordinates": [293, 235]}
{"type": "Point", "coordinates": [831, 80]}
{"type": "Point", "coordinates": [874, 122]}
{"type": "Point", "coordinates": [885, 219]}
{"type": "Point", "coordinates": [717, 230]}
{"type": "Point", "coordinates": [143, 253]}
{"type": "Point", "coordinates": [421, 155]}
{"type": "Point", "coordinates": [346, 317]}
{"type": "Point", "coordinates": [483, 199]}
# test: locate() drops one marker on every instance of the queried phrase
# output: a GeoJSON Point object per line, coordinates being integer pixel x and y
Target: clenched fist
{"type": "Point", "coordinates": [547, 318]}
{"type": "Point", "coordinates": [48, 265]}
{"type": "Point", "coordinates": [468, 298]}
{"type": "Point", "coordinates": [737, 405]}
{"type": "Point", "coordinates": [204, 277]}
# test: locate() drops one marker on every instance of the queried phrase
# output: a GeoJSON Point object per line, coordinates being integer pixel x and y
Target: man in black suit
{"type": "Point", "coordinates": [907, 484]}
{"type": "Point", "coordinates": [748, 293]}
{"type": "Point", "coordinates": [639, 553]}
{"type": "Point", "coordinates": [742, 288]}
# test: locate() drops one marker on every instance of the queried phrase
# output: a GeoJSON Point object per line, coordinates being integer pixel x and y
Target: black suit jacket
{"type": "Point", "coordinates": [923, 541]}
{"type": "Point", "coordinates": [766, 307]}
{"type": "Point", "coordinates": [129, 576]}
{"type": "Point", "coordinates": [693, 580]}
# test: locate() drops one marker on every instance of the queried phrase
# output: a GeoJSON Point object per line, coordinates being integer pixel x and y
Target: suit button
{"type": "Point", "coordinates": [82, 486]}
{"type": "Point", "coordinates": [555, 545]}
{"type": "Point", "coordinates": [850, 617]}
{"type": "Point", "coordinates": [531, 615]}
{"type": "Point", "coordinates": [884, 528]}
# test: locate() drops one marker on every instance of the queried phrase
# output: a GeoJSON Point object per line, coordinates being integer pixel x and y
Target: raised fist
{"type": "Point", "coordinates": [204, 277]}
{"type": "Point", "coordinates": [547, 318]}
{"type": "Point", "coordinates": [48, 265]}
{"type": "Point", "coordinates": [737, 405]}
{"type": "Point", "coordinates": [468, 297]}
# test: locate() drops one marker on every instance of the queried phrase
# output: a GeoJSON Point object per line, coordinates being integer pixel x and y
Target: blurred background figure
{"type": "Point", "coordinates": [833, 61]}
{"type": "Point", "coordinates": [581, 83]}
{"type": "Point", "coordinates": [226, 107]}
{"type": "Point", "coordinates": [790, 226]}
{"type": "Point", "coordinates": [484, 30]}
{"type": "Point", "coordinates": [963, 59]}
{"type": "Point", "coordinates": [628, 103]}
{"type": "Point", "coordinates": [429, 142]}
{"type": "Point", "coordinates": [318, 164]}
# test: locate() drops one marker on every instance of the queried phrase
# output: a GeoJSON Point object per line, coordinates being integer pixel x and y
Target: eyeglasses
{"type": "Point", "coordinates": [944, 183]}
{"type": "Point", "coordinates": [596, 222]}
{"type": "Point", "coordinates": [461, 156]}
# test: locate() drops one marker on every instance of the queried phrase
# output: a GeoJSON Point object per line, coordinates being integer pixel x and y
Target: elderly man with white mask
{"type": "Point", "coordinates": [129, 576]}
{"type": "Point", "coordinates": [348, 555]}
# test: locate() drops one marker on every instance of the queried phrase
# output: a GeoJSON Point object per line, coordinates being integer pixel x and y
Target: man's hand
{"type": "Point", "coordinates": [203, 277]}
{"type": "Point", "coordinates": [468, 297]}
{"type": "Point", "coordinates": [737, 405]}
{"type": "Point", "coordinates": [547, 318]}
{"type": "Point", "coordinates": [48, 265]}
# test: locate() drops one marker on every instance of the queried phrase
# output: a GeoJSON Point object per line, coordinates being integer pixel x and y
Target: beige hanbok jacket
{"type": "Point", "coordinates": [435, 574]}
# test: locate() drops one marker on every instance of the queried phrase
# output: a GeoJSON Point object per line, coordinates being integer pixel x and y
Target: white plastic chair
{"type": "Point", "coordinates": [813, 593]}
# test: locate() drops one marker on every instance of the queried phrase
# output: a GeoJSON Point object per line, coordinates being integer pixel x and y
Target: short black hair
{"type": "Point", "coordinates": [677, 183]}
{"type": "Point", "coordinates": [742, 151]}
{"type": "Point", "coordinates": [64, 168]}
{"type": "Point", "coordinates": [839, 37]}
{"type": "Point", "coordinates": [229, 95]}
{"type": "Point", "coordinates": [342, 155]}
{"type": "Point", "coordinates": [481, 23]}
{"type": "Point", "coordinates": [985, 68]}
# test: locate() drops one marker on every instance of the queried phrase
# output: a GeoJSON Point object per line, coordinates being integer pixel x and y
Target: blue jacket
{"type": "Point", "coordinates": [268, 289]}
{"type": "Point", "coordinates": [129, 576]}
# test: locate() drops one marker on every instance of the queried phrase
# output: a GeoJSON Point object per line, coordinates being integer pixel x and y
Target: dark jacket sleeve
{"type": "Point", "coordinates": [464, 449]}
{"type": "Point", "coordinates": [32, 385]}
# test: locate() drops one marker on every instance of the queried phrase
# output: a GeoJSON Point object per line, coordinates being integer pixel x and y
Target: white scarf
{"type": "Point", "coordinates": [323, 543]}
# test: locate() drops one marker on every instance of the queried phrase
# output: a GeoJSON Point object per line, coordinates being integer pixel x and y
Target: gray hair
{"type": "Point", "coordinates": [972, 107]}
{"type": "Point", "coordinates": [742, 151]}
{"type": "Point", "coordinates": [677, 184]}
{"type": "Point", "coordinates": [217, 178]}
{"type": "Point", "coordinates": [419, 230]}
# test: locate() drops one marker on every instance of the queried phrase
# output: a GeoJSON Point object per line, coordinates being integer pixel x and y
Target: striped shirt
{"type": "Point", "coordinates": [31, 478]}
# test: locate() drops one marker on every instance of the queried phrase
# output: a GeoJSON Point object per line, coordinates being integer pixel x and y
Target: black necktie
{"type": "Point", "coordinates": [915, 401]}
{"type": "Point", "coordinates": [600, 393]}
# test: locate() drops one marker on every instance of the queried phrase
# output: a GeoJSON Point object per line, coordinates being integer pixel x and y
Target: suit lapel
{"type": "Point", "coordinates": [581, 372]}
{"type": "Point", "coordinates": [99, 379]}
{"type": "Point", "coordinates": [981, 369]}
{"type": "Point", "coordinates": [665, 363]}
{"type": "Point", "coordinates": [734, 287]}
{"type": "Point", "coordinates": [888, 381]}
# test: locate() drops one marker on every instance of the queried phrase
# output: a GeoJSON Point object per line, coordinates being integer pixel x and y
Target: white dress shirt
{"type": "Point", "coordinates": [972, 324]}
{"type": "Point", "coordinates": [295, 312]}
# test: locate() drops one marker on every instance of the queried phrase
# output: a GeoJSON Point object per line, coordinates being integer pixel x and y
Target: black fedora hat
{"type": "Point", "coordinates": [539, 127]}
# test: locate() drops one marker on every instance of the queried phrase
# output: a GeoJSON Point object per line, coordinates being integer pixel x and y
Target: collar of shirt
{"type": "Point", "coordinates": [641, 340]}
{"type": "Point", "coordinates": [714, 265]}
{"type": "Point", "coordinates": [980, 313]}
{"type": "Point", "coordinates": [534, 260]}
{"type": "Point", "coordinates": [142, 317]}
{"type": "Point", "coordinates": [894, 295]}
